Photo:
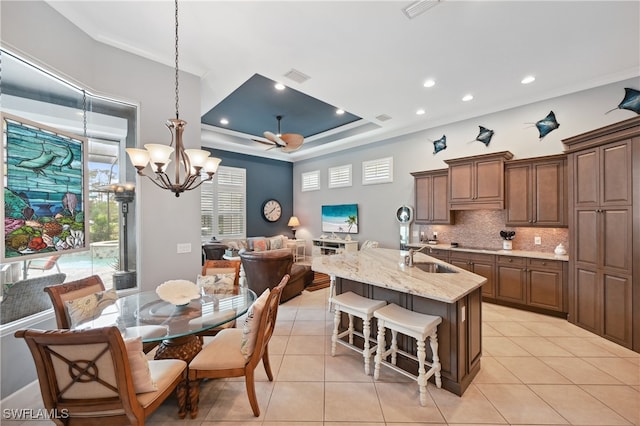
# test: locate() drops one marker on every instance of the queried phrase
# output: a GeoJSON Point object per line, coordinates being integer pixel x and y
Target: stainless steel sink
{"type": "Point", "coordinates": [433, 268]}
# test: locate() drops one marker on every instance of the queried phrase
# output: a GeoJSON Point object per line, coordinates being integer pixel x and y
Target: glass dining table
{"type": "Point", "coordinates": [146, 315]}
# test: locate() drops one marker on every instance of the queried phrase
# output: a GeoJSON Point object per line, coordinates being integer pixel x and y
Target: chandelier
{"type": "Point", "coordinates": [188, 162]}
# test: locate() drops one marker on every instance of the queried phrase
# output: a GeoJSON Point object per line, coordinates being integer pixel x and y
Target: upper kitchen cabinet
{"type": "Point", "coordinates": [536, 192]}
{"type": "Point", "coordinates": [431, 197]}
{"type": "Point", "coordinates": [477, 182]}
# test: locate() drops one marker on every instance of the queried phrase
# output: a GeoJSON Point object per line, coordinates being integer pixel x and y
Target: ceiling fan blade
{"type": "Point", "coordinates": [274, 138]}
{"type": "Point", "coordinates": [293, 141]}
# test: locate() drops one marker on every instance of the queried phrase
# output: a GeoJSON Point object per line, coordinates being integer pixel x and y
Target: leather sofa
{"type": "Point", "coordinates": [265, 269]}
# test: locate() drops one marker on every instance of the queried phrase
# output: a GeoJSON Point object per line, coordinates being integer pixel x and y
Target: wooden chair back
{"type": "Point", "coordinates": [71, 290]}
{"type": "Point", "coordinates": [85, 376]}
{"type": "Point", "coordinates": [213, 267]}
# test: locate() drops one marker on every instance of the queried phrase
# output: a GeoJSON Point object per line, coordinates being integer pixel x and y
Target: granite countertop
{"type": "Point", "coordinates": [517, 253]}
{"type": "Point", "coordinates": [385, 268]}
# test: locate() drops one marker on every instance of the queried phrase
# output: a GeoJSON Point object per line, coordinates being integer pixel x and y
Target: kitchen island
{"type": "Point", "coordinates": [452, 293]}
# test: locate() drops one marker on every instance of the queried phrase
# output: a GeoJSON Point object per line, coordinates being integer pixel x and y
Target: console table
{"type": "Point", "coordinates": [322, 246]}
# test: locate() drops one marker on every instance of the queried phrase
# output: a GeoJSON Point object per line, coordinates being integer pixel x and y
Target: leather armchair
{"type": "Point", "coordinates": [265, 269]}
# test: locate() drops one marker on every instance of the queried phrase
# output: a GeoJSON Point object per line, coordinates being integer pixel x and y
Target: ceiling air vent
{"type": "Point", "coordinates": [383, 117]}
{"type": "Point", "coordinates": [297, 76]}
{"type": "Point", "coordinates": [418, 7]}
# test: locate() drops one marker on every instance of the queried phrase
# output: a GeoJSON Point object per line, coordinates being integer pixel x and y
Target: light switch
{"type": "Point", "coordinates": [184, 248]}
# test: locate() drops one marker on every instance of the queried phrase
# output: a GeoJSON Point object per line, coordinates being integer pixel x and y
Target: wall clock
{"type": "Point", "coordinates": [271, 210]}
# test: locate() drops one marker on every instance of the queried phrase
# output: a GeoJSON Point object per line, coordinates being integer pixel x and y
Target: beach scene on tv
{"type": "Point", "coordinates": [340, 218]}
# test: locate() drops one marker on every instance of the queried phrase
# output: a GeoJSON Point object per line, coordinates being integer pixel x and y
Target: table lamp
{"type": "Point", "coordinates": [293, 222]}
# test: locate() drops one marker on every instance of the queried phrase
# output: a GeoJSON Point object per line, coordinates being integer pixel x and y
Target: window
{"type": "Point", "coordinates": [311, 181]}
{"type": "Point", "coordinates": [377, 171]}
{"type": "Point", "coordinates": [340, 176]}
{"type": "Point", "coordinates": [222, 204]}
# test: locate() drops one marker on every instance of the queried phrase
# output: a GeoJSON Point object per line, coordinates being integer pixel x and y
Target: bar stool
{"type": "Point", "coordinates": [416, 325]}
{"type": "Point", "coordinates": [363, 308]}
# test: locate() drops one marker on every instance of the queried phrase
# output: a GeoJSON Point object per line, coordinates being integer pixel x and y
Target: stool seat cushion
{"type": "Point", "coordinates": [415, 321]}
{"type": "Point", "coordinates": [358, 303]}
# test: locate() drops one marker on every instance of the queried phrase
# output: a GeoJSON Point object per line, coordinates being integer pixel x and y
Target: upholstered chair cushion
{"type": "Point", "coordinates": [163, 373]}
{"type": "Point", "coordinates": [251, 324]}
{"type": "Point", "coordinates": [223, 352]}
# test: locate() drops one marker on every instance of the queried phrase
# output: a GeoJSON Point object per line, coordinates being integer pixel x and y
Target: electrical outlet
{"type": "Point", "coordinates": [537, 240]}
{"type": "Point", "coordinates": [184, 248]}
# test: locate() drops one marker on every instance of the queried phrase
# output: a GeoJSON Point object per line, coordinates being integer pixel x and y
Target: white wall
{"type": "Point", "coordinates": [514, 131]}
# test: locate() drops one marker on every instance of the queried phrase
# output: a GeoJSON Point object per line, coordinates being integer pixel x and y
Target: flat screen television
{"type": "Point", "coordinates": [340, 218]}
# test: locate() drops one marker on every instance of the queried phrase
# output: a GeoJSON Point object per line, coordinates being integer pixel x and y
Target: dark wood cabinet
{"type": "Point", "coordinates": [478, 263]}
{"type": "Point", "coordinates": [535, 192]}
{"type": "Point", "coordinates": [431, 197]}
{"type": "Point", "coordinates": [534, 283]}
{"type": "Point", "coordinates": [604, 181]}
{"type": "Point", "coordinates": [477, 182]}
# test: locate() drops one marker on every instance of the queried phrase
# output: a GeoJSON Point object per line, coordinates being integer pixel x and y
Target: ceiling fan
{"type": "Point", "coordinates": [288, 142]}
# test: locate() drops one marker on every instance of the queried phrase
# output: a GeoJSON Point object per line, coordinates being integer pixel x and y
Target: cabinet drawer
{"type": "Point", "coordinates": [473, 257]}
{"type": "Point", "coordinates": [512, 260]}
{"type": "Point", "coordinates": [556, 265]}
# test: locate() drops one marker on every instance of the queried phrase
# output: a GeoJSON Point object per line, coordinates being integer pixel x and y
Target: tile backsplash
{"type": "Point", "coordinates": [481, 228]}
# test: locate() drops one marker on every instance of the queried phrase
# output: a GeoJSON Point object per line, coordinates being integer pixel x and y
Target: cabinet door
{"type": "Point", "coordinates": [588, 299]}
{"type": "Point", "coordinates": [549, 201]}
{"type": "Point", "coordinates": [586, 237]}
{"type": "Point", "coordinates": [489, 180]}
{"type": "Point", "coordinates": [518, 195]}
{"type": "Point", "coordinates": [544, 289]}
{"type": "Point", "coordinates": [461, 262]}
{"type": "Point", "coordinates": [440, 199]}
{"type": "Point", "coordinates": [615, 175]}
{"type": "Point", "coordinates": [617, 316]}
{"type": "Point", "coordinates": [615, 242]}
{"type": "Point", "coordinates": [510, 283]}
{"type": "Point", "coordinates": [423, 195]}
{"type": "Point", "coordinates": [586, 168]}
{"type": "Point", "coordinates": [461, 182]}
{"type": "Point", "coordinates": [486, 270]}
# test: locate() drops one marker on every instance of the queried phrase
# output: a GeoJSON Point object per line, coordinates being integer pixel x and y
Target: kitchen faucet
{"type": "Point", "coordinates": [408, 259]}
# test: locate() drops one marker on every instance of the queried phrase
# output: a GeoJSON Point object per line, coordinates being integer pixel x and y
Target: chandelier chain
{"type": "Point", "coordinates": [176, 47]}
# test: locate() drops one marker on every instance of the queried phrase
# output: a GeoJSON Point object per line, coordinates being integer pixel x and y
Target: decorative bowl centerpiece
{"type": "Point", "coordinates": [178, 292]}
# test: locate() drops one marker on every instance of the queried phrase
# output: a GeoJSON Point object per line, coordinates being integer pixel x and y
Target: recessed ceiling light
{"type": "Point", "coordinates": [339, 111]}
{"type": "Point", "coordinates": [467, 98]}
{"type": "Point", "coordinates": [528, 79]}
{"type": "Point", "coordinates": [429, 83]}
{"type": "Point", "coordinates": [420, 111]}
{"type": "Point", "coordinates": [224, 121]}
{"type": "Point", "coordinates": [279, 86]}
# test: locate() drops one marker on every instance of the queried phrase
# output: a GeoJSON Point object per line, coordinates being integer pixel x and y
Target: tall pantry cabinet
{"type": "Point", "coordinates": [604, 231]}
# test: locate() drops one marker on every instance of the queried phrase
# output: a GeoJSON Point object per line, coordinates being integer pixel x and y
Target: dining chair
{"type": "Point", "coordinates": [218, 268]}
{"type": "Point", "coordinates": [73, 290]}
{"type": "Point", "coordinates": [89, 377]}
{"type": "Point", "coordinates": [236, 352]}
{"type": "Point", "coordinates": [25, 297]}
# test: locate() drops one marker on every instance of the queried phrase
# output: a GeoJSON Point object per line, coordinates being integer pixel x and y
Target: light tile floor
{"type": "Point", "coordinates": [536, 370]}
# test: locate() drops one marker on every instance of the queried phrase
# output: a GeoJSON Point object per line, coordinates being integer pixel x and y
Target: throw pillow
{"type": "Point", "coordinates": [139, 365]}
{"type": "Point", "coordinates": [276, 243]}
{"type": "Point", "coordinates": [251, 324]}
{"type": "Point", "coordinates": [216, 283]}
{"type": "Point", "coordinates": [260, 245]}
{"type": "Point", "coordinates": [89, 307]}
